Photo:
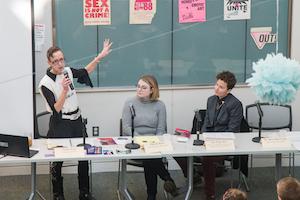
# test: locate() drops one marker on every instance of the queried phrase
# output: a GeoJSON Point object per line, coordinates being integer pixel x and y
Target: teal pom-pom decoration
{"type": "Point", "coordinates": [275, 79]}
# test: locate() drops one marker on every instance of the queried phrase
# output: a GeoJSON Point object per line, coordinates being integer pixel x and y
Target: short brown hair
{"type": "Point", "coordinates": [288, 188]}
{"type": "Point", "coordinates": [228, 78]}
{"type": "Point", "coordinates": [234, 194]}
{"type": "Point", "coordinates": [152, 82]}
{"type": "Point", "coordinates": [51, 51]}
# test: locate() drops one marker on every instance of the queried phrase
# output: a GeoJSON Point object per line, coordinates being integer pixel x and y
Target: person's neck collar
{"type": "Point", "coordinates": [144, 99]}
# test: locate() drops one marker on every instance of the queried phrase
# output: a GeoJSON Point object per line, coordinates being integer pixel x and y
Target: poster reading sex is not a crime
{"type": "Point", "coordinates": [96, 12]}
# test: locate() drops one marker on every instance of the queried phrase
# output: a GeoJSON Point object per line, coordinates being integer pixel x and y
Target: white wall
{"type": "Point", "coordinates": [16, 102]}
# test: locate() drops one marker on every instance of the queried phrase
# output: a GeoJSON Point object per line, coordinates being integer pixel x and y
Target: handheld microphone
{"type": "Point", "coordinates": [66, 74]}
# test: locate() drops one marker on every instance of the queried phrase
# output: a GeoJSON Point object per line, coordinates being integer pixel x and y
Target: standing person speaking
{"type": "Point", "coordinates": [59, 93]}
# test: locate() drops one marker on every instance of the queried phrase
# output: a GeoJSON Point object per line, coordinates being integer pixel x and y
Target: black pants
{"type": "Point", "coordinates": [152, 168]}
{"type": "Point", "coordinates": [57, 179]}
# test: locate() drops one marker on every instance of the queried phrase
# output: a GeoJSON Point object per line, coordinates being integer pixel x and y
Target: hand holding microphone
{"type": "Point", "coordinates": [68, 81]}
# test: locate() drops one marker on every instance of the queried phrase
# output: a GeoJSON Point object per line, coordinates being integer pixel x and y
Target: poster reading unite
{"type": "Point", "coordinates": [237, 9]}
{"type": "Point", "coordinates": [96, 12]}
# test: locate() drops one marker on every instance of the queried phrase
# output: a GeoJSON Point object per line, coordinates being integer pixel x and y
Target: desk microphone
{"type": "Point", "coordinates": [260, 114]}
{"type": "Point", "coordinates": [66, 74]}
{"type": "Point", "coordinates": [199, 124]}
{"type": "Point", "coordinates": [132, 145]}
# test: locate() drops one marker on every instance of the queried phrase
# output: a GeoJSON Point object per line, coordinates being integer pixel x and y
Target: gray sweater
{"type": "Point", "coordinates": [150, 117]}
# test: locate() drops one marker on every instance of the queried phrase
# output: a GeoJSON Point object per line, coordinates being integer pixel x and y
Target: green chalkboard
{"type": "Point", "coordinates": [177, 54]}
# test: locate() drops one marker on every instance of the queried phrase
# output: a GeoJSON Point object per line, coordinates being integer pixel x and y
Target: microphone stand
{"type": "Point", "coordinates": [132, 145]}
{"type": "Point", "coordinates": [198, 142]}
{"type": "Point", "coordinates": [85, 146]}
{"type": "Point", "coordinates": [260, 113]}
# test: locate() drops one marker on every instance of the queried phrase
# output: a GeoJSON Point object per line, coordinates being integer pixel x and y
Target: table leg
{"type": "Point", "coordinates": [33, 181]}
{"type": "Point", "coordinates": [123, 185]}
{"type": "Point", "coordinates": [278, 164]}
{"type": "Point", "coordinates": [190, 178]}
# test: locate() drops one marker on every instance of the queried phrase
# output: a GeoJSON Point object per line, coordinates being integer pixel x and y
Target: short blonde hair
{"type": "Point", "coordinates": [288, 188]}
{"type": "Point", "coordinates": [152, 82]}
{"type": "Point", "coordinates": [234, 194]}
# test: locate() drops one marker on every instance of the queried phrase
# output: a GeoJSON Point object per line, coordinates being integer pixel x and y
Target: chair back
{"type": "Point", "coordinates": [274, 116]}
{"type": "Point", "coordinates": [202, 113]}
{"type": "Point", "coordinates": [42, 124]}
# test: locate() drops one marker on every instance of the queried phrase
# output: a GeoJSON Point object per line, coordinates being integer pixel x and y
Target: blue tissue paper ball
{"type": "Point", "coordinates": [275, 79]}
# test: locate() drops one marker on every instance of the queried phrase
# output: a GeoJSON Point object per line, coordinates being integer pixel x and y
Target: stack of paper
{"type": "Point", "coordinates": [142, 140]}
{"type": "Point", "coordinates": [219, 144]}
{"type": "Point", "coordinates": [273, 142]}
{"type": "Point", "coordinates": [218, 135]}
{"type": "Point", "coordinates": [219, 141]}
{"type": "Point", "coordinates": [158, 147]}
{"type": "Point", "coordinates": [54, 143]}
{"type": "Point", "coordinates": [69, 152]}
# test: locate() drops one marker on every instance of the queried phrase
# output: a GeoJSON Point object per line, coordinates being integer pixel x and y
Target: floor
{"type": "Point", "coordinates": [261, 182]}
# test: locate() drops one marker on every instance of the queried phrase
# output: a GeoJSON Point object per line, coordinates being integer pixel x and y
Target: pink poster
{"type": "Point", "coordinates": [191, 11]}
{"type": "Point", "coordinates": [96, 12]}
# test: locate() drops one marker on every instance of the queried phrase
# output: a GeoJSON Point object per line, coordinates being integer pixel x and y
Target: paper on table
{"type": "Point", "coordinates": [158, 147]}
{"type": "Point", "coordinates": [122, 140]}
{"type": "Point", "coordinates": [294, 136]}
{"type": "Point", "coordinates": [296, 145]}
{"type": "Point", "coordinates": [69, 152]}
{"type": "Point", "coordinates": [218, 135]}
{"type": "Point", "coordinates": [275, 142]}
{"type": "Point", "coordinates": [53, 143]}
{"type": "Point", "coordinates": [142, 140]}
{"type": "Point", "coordinates": [217, 144]}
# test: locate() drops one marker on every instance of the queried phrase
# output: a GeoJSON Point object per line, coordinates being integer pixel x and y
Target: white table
{"type": "Point", "coordinates": [243, 145]}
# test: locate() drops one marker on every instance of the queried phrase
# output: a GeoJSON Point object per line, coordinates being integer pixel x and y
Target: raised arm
{"type": "Point", "coordinates": [105, 51]}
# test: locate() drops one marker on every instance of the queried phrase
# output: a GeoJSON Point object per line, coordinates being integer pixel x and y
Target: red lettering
{"type": "Point", "coordinates": [88, 3]}
{"type": "Point", "coordinates": [95, 3]}
{"type": "Point", "coordinates": [104, 3]}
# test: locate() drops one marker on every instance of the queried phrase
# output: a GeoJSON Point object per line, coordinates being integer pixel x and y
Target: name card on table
{"type": "Point", "coordinates": [158, 147]}
{"type": "Point", "coordinates": [142, 140]}
{"type": "Point", "coordinates": [218, 135]}
{"type": "Point", "coordinates": [217, 144]}
{"type": "Point", "coordinates": [53, 143]}
{"type": "Point", "coordinates": [69, 152]}
{"type": "Point", "coordinates": [275, 142]}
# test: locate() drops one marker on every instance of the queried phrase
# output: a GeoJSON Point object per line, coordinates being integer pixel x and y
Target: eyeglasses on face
{"type": "Point", "coordinates": [57, 61]}
{"type": "Point", "coordinates": [142, 87]}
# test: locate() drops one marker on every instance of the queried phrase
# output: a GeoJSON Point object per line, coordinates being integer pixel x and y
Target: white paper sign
{"type": "Point", "coordinates": [158, 147]}
{"type": "Point", "coordinates": [69, 152]}
{"type": "Point", "coordinates": [39, 36]}
{"type": "Point", "coordinates": [219, 145]}
{"type": "Point", "coordinates": [141, 11]}
{"type": "Point", "coordinates": [237, 9]}
{"type": "Point", "coordinates": [275, 142]}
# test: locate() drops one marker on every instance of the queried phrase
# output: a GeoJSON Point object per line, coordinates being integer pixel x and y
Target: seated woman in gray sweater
{"type": "Point", "coordinates": [150, 119]}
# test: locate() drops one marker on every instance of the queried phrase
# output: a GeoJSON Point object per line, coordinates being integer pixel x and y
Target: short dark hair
{"type": "Point", "coordinates": [228, 78]}
{"type": "Point", "coordinates": [51, 51]}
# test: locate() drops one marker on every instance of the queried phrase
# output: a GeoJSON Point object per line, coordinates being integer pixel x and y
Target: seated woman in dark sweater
{"type": "Point", "coordinates": [224, 113]}
{"type": "Point", "coordinates": [150, 119]}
